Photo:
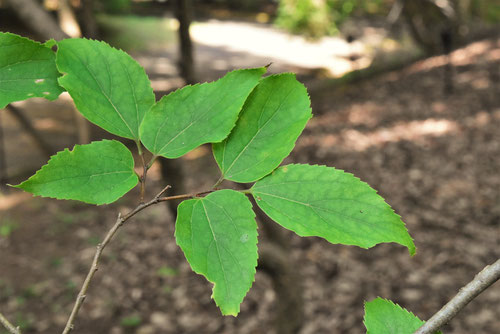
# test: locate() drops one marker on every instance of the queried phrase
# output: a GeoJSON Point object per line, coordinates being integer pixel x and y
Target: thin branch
{"type": "Point", "coordinates": [489, 275]}
{"type": "Point", "coordinates": [8, 326]}
{"type": "Point", "coordinates": [185, 196]}
{"type": "Point", "coordinates": [82, 294]}
{"type": "Point", "coordinates": [142, 178]}
{"type": "Point", "coordinates": [111, 233]}
{"type": "Point", "coordinates": [163, 191]}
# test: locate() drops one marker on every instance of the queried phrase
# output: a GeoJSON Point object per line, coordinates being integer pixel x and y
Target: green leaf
{"type": "Point", "coordinates": [109, 87]}
{"type": "Point", "coordinates": [27, 69]}
{"type": "Point", "coordinates": [96, 173]}
{"type": "Point", "coordinates": [329, 203]}
{"type": "Point", "coordinates": [273, 117]}
{"type": "Point", "coordinates": [384, 317]}
{"type": "Point", "coordinates": [218, 235]}
{"type": "Point", "coordinates": [199, 114]}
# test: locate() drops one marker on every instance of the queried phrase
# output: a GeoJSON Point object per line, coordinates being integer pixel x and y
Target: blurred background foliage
{"type": "Point", "coordinates": [317, 18]}
{"type": "Point", "coordinates": [115, 6]}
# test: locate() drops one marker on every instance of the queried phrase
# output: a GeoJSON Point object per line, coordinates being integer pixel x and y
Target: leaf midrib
{"type": "Point", "coordinates": [216, 247]}
{"type": "Point", "coordinates": [194, 121]}
{"type": "Point", "coordinates": [103, 92]}
{"type": "Point", "coordinates": [319, 208]}
{"type": "Point", "coordinates": [84, 176]}
{"type": "Point", "coordinates": [259, 129]}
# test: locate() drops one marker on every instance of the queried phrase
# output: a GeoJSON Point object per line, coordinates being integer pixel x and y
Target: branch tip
{"type": "Point", "coordinates": [163, 191]}
{"type": "Point", "coordinates": [483, 280]}
{"type": "Point", "coordinates": [8, 326]}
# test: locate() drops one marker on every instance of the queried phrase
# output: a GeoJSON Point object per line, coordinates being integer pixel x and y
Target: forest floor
{"type": "Point", "coordinates": [434, 156]}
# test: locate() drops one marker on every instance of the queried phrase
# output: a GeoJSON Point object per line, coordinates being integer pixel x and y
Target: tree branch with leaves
{"type": "Point", "coordinates": [252, 123]}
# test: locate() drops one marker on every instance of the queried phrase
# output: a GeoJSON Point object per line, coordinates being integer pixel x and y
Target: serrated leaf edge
{"type": "Point", "coordinates": [411, 250]}
{"type": "Point", "coordinates": [390, 302]}
{"type": "Point", "coordinates": [64, 74]}
{"type": "Point", "coordinates": [179, 90]}
{"type": "Point", "coordinates": [47, 46]}
{"type": "Point", "coordinates": [19, 186]}
{"type": "Point", "coordinates": [223, 172]}
{"type": "Point", "coordinates": [254, 268]}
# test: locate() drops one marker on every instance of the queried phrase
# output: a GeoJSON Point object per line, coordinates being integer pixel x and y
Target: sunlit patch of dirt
{"type": "Point", "coordinates": [351, 139]}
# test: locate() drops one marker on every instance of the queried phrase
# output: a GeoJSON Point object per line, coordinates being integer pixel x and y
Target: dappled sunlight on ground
{"type": "Point", "coordinates": [10, 200]}
{"type": "Point", "coordinates": [482, 51]}
{"type": "Point", "coordinates": [351, 139]}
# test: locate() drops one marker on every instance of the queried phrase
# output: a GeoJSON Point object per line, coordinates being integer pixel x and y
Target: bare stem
{"type": "Point", "coordinates": [144, 171]}
{"type": "Point", "coordinates": [82, 294]}
{"type": "Point", "coordinates": [489, 275]}
{"type": "Point", "coordinates": [119, 222]}
{"type": "Point", "coordinates": [8, 326]}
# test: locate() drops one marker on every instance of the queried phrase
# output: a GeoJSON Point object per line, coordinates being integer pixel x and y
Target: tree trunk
{"type": "Point", "coordinates": [25, 123]}
{"type": "Point", "coordinates": [39, 20]}
{"type": "Point", "coordinates": [87, 18]}
{"type": "Point", "coordinates": [275, 261]}
{"type": "Point", "coordinates": [183, 13]}
{"type": "Point", "coordinates": [173, 174]}
{"type": "Point", "coordinates": [428, 22]}
{"type": "Point", "coordinates": [67, 19]}
{"type": "Point", "coordinates": [172, 169]}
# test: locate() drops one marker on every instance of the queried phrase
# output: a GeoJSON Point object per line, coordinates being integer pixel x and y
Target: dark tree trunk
{"type": "Point", "coordinates": [183, 13]}
{"type": "Point", "coordinates": [35, 135]}
{"type": "Point", "coordinates": [436, 30]}
{"type": "Point", "coordinates": [428, 23]}
{"type": "Point", "coordinates": [447, 41]}
{"type": "Point", "coordinates": [25, 123]}
{"type": "Point", "coordinates": [275, 261]}
{"type": "Point", "coordinates": [173, 174]}
{"type": "Point", "coordinates": [172, 170]}
{"type": "Point", "coordinates": [87, 19]}
{"type": "Point", "coordinates": [39, 20]}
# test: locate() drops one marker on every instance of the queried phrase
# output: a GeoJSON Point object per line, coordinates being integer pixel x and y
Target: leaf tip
{"type": "Point", "coordinates": [411, 248]}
